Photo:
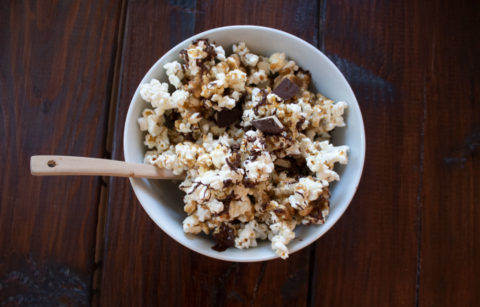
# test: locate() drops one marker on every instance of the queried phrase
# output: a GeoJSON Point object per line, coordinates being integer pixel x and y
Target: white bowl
{"type": "Point", "coordinates": [162, 200]}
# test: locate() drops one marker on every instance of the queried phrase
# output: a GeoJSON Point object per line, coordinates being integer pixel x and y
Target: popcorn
{"type": "Point", "coordinates": [260, 169]}
{"type": "Point", "coordinates": [220, 53]}
{"type": "Point", "coordinates": [215, 206]}
{"type": "Point", "coordinates": [224, 102]}
{"type": "Point", "coordinates": [257, 77]}
{"type": "Point", "coordinates": [247, 235]}
{"type": "Point", "coordinates": [236, 79]}
{"type": "Point", "coordinates": [156, 93]}
{"type": "Point", "coordinates": [277, 61]}
{"type": "Point", "coordinates": [174, 73]}
{"type": "Point", "coordinates": [255, 149]}
{"type": "Point", "coordinates": [251, 59]}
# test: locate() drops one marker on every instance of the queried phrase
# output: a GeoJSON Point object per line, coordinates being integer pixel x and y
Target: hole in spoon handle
{"type": "Point", "coordinates": [51, 163]}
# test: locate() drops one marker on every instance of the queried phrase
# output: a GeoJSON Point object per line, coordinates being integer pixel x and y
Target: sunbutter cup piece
{"type": "Point", "coordinates": [225, 118]}
{"type": "Point", "coordinates": [286, 89]}
{"type": "Point", "coordinates": [269, 124]}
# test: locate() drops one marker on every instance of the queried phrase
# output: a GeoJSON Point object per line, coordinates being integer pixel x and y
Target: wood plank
{"type": "Point", "coordinates": [56, 59]}
{"type": "Point", "coordinates": [370, 257]}
{"type": "Point", "coordinates": [140, 259]}
{"type": "Point", "coordinates": [450, 247]}
{"type": "Point", "coordinates": [298, 17]}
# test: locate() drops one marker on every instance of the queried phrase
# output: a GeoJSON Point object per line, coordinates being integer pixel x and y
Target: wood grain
{"type": "Point", "coordinates": [55, 60]}
{"type": "Point", "coordinates": [370, 257]}
{"type": "Point", "coordinates": [450, 246]}
{"type": "Point", "coordinates": [137, 252]}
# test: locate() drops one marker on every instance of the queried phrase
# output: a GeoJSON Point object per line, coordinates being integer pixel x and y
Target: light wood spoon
{"type": "Point", "coordinates": [70, 165]}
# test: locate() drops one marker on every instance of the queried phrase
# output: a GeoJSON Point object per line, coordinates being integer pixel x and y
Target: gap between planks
{"type": "Point", "coordinates": [321, 24]}
{"type": "Point", "coordinates": [420, 194]}
{"type": "Point", "coordinates": [104, 187]}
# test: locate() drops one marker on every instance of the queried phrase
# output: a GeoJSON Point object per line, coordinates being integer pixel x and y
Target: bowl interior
{"type": "Point", "coordinates": [162, 200]}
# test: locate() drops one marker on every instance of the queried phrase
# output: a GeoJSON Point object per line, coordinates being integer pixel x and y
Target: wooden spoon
{"type": "Point", "coordinates": [70, 165]}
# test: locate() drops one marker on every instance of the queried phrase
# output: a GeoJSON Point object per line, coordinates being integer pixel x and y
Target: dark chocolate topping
{"type": "Point", "coordinates": [211, 54]}
{"type": "Point", "coordinates": [227, 183]}
{"type": "Point", "coordinates": [300, 122]}
{"type": "Point", "coordinates": [227, 91]}
{"type": "Point", "coordinates": [298, 167]}
{"type": "Point", "coordinates": [254, 154]}
{"type": "Point", "coordinates": [224, 238]}
{"type": "Point", "coordinates": [286, 89]}
{"type": "Point", "coordinates": [226, 203]}
{"type": "Point", "coordinates": [262, 102]}
{"type": "Point", "coordinates": [318, 206]}
{"type": "Point", "coordinates": [194, 187]}
{"type": "Point", "coordinates": [188, 137]}
{"type": "Point", "coordinates": [184, 56]}
{"type": "Point", "coordinates": [201, 64]}
{"type": "Point", "coordinates": [235, 163]}
{"type": "Point", "coordinates": [205, 40]}
{"type": "Point", "coordinates": [248, 184]}
{"type": "Point", "coordinates": [170, 118]}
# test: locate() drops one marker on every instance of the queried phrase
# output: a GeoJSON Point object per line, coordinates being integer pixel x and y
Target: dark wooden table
{"type": "Point", "coordinates": [411, 236]}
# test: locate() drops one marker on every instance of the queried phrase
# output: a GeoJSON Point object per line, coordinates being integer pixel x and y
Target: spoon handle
{"type": "Point", "coordinates": [71, 165]}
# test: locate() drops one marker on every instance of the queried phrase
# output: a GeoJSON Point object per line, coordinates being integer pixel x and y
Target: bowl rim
{"type": "Point", "coordinates": [304, 243]}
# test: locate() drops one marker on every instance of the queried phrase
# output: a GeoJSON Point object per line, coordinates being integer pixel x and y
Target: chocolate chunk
{"type": "Point", "coordinates": [248, 128]}
{"type": "Point", "coordinates": [225, 118]}
{"type": "Point", "coordinates": [286, 89]}
{"type": "Point", "coordinates": [224, 238]}
{"type": "Point", "coordinates": [269, 124]}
